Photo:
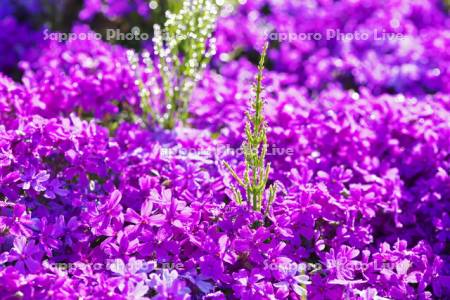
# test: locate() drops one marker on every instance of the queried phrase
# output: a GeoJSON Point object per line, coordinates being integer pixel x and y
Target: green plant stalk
{"type": "Point", "coordinates": [256, 174]}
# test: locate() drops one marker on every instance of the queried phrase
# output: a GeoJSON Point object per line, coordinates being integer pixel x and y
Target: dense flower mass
{"type": "Point", "coordinates": [80, 75]}
{"type": "Point", "coordinates": [96, 203]}
{"type": "Point", "coordinates": [113, 9]}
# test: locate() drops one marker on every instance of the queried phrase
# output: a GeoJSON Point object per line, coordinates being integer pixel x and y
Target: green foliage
{"type": "Point", "coordinates": [183, 48]}
{"type": "Point", "coordinates": [256, 172]}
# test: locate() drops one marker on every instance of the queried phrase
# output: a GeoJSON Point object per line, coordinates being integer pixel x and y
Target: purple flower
{"type": "Point", "coordinates": [108, 213]}
{"type": "Point", "coordinates": [336, 178]}
{"type": "Point", "coordinates": [342, 263]}
{"type": "Point", "coordinates": [54, 188]}
{"type": "Point", "coordinates": [128, 277]}
{"type": "Point", "coordinates": [146, 219]}
{"type": "Point", "coordinates": [26, 255]}
{"type": "Point", "coordinates": [123, 246]}
{"type": "Point", "coordinates": [169, 285]}
{"type": "Point", "coordinates": [248, 285]}
{"type": "Point", "coordinates": [71, 232]}
{"type": "Point", "coordinates": [48, 236]}
{"type": "Point", "coordinates": [33, 179]}
{"type": "Point", "coordinates": [176, 212]}
{"type": "Point", "coordinates": [212, 267]}
{"type": "Point", "coordinates": [296, 283]}
{"type": "Point", "coordinates": [19, 222]}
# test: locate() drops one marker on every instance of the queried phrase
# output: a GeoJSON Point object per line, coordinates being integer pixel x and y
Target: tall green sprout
{"type": "Point", "coordinates": [183, 48]}
{"type": "Point", "coordinates": [256, 172]}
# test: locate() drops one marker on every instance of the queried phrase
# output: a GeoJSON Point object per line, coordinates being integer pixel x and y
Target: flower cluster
{"type": "Point", "coordinates": [84, 76]}
{"type": "Point", "coordinates": [16, 39]}
{"type": "Point", "coordinates": [92, 207]}
{"type": "Point", "coordinates": [115, 9]}
{"type": "Point", "coordinates": [389, 47]}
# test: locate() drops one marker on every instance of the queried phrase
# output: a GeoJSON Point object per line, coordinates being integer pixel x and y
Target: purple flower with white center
{"type": "Point", "coordinates": [129, 278]}
{"type": "Point", "coordinates": [342, 263]}
{"type": "Point", "coordinates": [169, 286]}
{"type": "Point", "coordinates": [295, 283]}
{"type": "Point", "coordinates": [34, 180]}
{"type": "Point", "coordinates": [6, 157]}
{"type": "Point", "coordinates": [201, 282]}
{"type": "Point", "coordinates": [26, 255]}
